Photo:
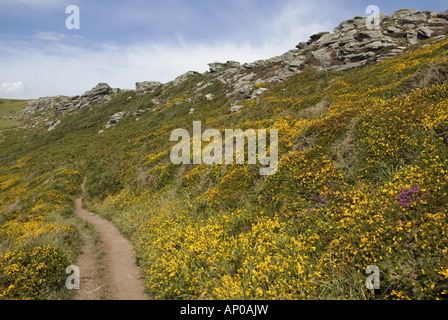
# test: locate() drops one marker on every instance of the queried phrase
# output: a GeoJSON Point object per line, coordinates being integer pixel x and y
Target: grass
{"type": "Point", "coordinates": [10, 109]}
{"type": "Point", "coordinates": [38, 231]}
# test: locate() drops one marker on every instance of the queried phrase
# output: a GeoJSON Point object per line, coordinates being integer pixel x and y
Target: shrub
{"type": "Point", "coordinates": [32, 273]}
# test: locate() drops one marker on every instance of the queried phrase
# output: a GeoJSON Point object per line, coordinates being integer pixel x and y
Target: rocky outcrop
{"type": "Point", "coordinates": [96, 93]}
{"type": "Point", "coordinates": [147, 86]}
{"type": "Point", "coordinates": [218, 66]}
{"type": "Point", "coordinates": [235, 109]}
{"type": "Point", "coordinates": [52, 125]}
{"type": "Point", "coordinates": [69, 105]}
{"type": "Point", "coordinates": [37, 106]}
{"type": "Point", "coordinates": [182, 78]}
{"type": "Point", "coordinates": [115, 119]}
{"type": "Point", "coordinates": [61, 105]}
{"type": "Point", "coordinates": [99, 94]}
{"type": "Point", "coordinates": [352, 44]}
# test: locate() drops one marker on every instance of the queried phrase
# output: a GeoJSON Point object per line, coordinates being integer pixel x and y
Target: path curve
{"type": "Point", "coordinates": [122, 275]}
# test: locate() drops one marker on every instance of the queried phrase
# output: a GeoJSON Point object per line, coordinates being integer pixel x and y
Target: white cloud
{"type": "Point", "coordinates": [71, 70]}
{"type": "Point", "coordinates": [49, 36]}
{"type": "Point", "coordinates": [12, 90]}
{"type": "Point", "coordinates": [72, 65]}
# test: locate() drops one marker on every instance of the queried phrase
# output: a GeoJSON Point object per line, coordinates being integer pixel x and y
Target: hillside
{"type": "Point", "coordinates": [10, 112]}
{"type": "Point", "coordinates": [362, 118]}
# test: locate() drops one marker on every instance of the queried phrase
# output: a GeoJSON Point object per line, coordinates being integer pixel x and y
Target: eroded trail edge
{"type": "Point", "coordinates": [122, 275]}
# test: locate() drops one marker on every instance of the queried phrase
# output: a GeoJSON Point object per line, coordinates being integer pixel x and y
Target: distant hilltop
{"type": "Point", "coordinates": [351, 45]}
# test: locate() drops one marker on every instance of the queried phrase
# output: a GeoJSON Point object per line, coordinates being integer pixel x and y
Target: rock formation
{"type": "Point", "coordinates": [38, 106]}
{"type": "Point", "coordinates": [61, 105]}
{"type": "Point", "coordinates": [352, 44]}
{"type": "Point", "coordinates": [115, 119]}
{"type": "Point", "coordinates": [147, 86]}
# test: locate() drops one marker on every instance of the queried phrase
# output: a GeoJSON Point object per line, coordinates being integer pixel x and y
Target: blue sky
{"type": "Point", "coordinates": [121, 42]}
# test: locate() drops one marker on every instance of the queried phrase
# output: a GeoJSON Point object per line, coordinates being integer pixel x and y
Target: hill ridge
{"type": "Point", "coordinates": [351, 45]}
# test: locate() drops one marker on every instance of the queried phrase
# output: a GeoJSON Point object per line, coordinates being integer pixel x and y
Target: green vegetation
{"type": "Point", "coordinates": [10, 109]}
{"type": "Point", "coordinates": [362, 181]}
{"type": "Point", "coordinates": [38, 234]}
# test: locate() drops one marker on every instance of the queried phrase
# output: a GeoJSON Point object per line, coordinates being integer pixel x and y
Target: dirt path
{"type": "Point", "coordinates": [121, 274]}
{"type": "Point", "coordinates": [91, 284]}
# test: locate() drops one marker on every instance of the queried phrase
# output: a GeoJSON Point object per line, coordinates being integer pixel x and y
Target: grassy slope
{"type": "Point", "coordinates": [10, 108]}
{"type": "Point", "coordinates": [353, 146]}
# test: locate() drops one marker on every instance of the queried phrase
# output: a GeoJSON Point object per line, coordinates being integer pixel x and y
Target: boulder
{"type": "Point", "coordinates": [324, 56]}
{"type": "Point", "coordinates": [297, 64]}
{"type": "Point", "coordinates": [282, 75]}
{"type": "Point", "coordinates": [252, 65]}
{"type": "Point", "coordinates": [356, 22]}
{"type": "Point", "coordinates": [412, 37]}
{"type": "Point", "coordinates": [233, 64]}
{"type": "Point", "coordinates": [301, 45]}
{"type": "Point", "coordinates": [147, 86]}
{"type": "Point", "coordinates": [246, 91]}
{"type": "Point", "coordinates": [316, 37]}
{"type": "Point", "coordinates": [443, 15]}
{"type": "Point", "coordinates": [182, 78]}
{"type": "Point", "coordinates": [347, 37]}
{"type": "Point", "coordinates": [249, 65]}
{"type": "Point", "coordinates": [327, 40]}
{"type": "Point", "coordinates": [139, 113]}
{"type": "Point", "coordinates": [424, 32]}
{"type": "Point", "coordinates": [376, 45]}
{"type": "Point", "coordinates": [258, 92]}
{"type": "Point", "coordinates": [218, 66]}
{"type": "Point", "coordinates": [409, 16]}
{"type": "Point", "coordinates": [403, 13]}
{"type": "Point", "coordinates": [52, 125]}
{"type": "Point", "coordinates": [100, 90]}
{"type": "Point", "coordinates": [357, 57]}
{"type": "Point", "coordinates": [115, 119]}
{"type": "Point", "coordinates": [236, 109]}
{"type": "Point", "coordinates": [371, 35]}
{"type": "Point", "coordinates": [394, 32]}
{"type": "Point", "coordinates": [437, 21]}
